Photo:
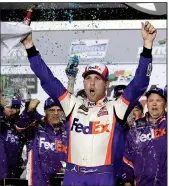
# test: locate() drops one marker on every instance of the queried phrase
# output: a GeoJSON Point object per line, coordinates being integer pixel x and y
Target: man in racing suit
{"type": "Point", "coordinates": [11, 137]}
{"type": "Point", "coordinates": [46, 145]}
{"type": "Point", "coordinates": [145, 155]}
{"type": "Point", "coordinates": [94, 132]}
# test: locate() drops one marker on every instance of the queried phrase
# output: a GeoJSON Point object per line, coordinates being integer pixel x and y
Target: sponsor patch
{"type": "Point", "coordinates": [91, 104]}
{"type": "Point", "coordinates": [149, 69]}
{"type": "Point", "coordinates": [84, 108]}
{"type": "Point", "coordinates": [153, 134]}
{"type": "Point", "coordinates": [102, 112]}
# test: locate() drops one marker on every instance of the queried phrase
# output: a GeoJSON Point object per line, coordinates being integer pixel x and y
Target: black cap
{"type": "Point", "coordinates": [158, 91]}
{"type": "Point", "coordinates": [50, 103]}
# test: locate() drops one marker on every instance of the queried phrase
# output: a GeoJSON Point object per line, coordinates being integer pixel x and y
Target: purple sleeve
{"type": "Point", "coordinates": [26, 118]}
{"type": "Point", "coordinates": [128, 157]}
{"type": "Point", "coordinates": [139, 84]}
{"type": "Point", "coordinates": [124, 104]}
{"type": "Point", "coordinates": [52, 86]}
{"type": "Point", "coordinates": [3, 161]}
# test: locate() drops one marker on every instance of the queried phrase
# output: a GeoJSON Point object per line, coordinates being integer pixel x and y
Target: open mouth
{"type": "Point", "coordinates": [92, 92]}
{"type": "Point", "coordinates": [154, 109]}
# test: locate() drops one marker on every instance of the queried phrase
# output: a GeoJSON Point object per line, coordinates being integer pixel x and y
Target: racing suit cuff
{"type": "Point", "coordinates": [146, 52]}
{"type": "Point", "coordinates": [32, 51]}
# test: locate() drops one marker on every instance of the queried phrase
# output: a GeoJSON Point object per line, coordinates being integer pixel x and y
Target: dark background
{"type": "Point", "coordinates": [59, 11]}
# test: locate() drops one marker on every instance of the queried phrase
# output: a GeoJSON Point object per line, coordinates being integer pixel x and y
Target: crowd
{"type": "Point", "coordinates": [90, 138]}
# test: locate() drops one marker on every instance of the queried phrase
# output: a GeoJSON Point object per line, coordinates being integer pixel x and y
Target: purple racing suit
{"type": "Point", "coordinates": [3, 160]}
{"type": "Point", "coordinates": [46, 149]}
{"type": "Point", "coordinates": [145, 155]}
{"type": "Point", "coordinates": [94, 131]}
{"type": "Point", "coordinates": [13, 141]}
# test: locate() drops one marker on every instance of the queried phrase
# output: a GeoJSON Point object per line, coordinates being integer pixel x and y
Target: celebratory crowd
{"type": "Point", "coordinates": [90, 138]}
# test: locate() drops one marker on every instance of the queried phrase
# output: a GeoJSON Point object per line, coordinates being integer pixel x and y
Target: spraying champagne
{"type": "Point", "coordinates": [27, 19]}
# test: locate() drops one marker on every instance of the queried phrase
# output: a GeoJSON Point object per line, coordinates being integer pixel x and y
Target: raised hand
{"type": "Point", "coordinates": [33, 104]}
{"type": "Point", "coordinates": [149, 34]}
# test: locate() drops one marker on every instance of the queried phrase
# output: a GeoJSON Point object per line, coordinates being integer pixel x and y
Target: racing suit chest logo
{"type": "Point", "coordinates": [154, 134]}
{"type": "Point", "coordinates": [95, 127]}
{"type": "Point", "coordinates": [56, 146]}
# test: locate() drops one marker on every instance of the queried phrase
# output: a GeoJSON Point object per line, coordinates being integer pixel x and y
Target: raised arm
{"type": "Point", "coordinates": [139, 84]}
{"type": "Point", "coordinates": [52, 86]}
{"type": "Point", "coordinates": [29, 114]}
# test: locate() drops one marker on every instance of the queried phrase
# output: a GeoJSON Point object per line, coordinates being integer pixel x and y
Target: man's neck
{"type": "Point", "coordinates": [154, 120]}
{"type": "Point", "coordinates": [97, 100]}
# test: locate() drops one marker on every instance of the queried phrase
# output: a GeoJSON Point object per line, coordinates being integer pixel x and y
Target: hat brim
{"type": "Point", "coordinates": [93, 72]}
{"type": "Point", "coordinates": [52, 105]}
{"type": "Point", "coordinates": [155, 92]}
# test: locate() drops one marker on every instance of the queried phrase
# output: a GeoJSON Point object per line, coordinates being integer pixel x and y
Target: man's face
{"type": "Point", "coordinates": [4, 100]}
{"type": "Point", "coordinates": [156, 105]}
{"type": "Point", "coordinates": [95, 87]}
{"type": "Point", "coordinates": [137, 113]}
{"type": "Point", "coordinates": [14, 111]}
{"type": "Point", "coordinates": [54, 115]}
{"type": "Point", "coordinates": [7, 112]}
{"type": "Point", "coordinates": [10, 111]}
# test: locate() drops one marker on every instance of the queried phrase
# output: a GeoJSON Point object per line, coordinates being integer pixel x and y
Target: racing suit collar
{"type": "Point", "coordinates": [100, 102]}
{"type": "Point", "coordinates": [163, 117]}
{"type": "Point", "coordinates": [58, 128]}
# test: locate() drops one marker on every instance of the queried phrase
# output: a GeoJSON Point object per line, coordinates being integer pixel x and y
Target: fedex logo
{"type": "Point", "coordinates": [91, 104]}
{"type": "Point", "coordinates": [95, 67]}
{"type": "Point", "coordinates": [95, 127]}
{"type": "Point", "coordinates": [154, 134]}
{"type": "Point", "coordinates": [11, 137]}
{"type": "Point", "coordinates": [57, 146]}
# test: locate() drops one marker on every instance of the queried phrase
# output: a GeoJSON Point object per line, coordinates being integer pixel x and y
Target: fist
{"type": "Point", "coordinates": [33, 104]}
{"type": "Point", "coordinates": [148, 33]}
{"type": "Point", "coordinates": [148, 27]}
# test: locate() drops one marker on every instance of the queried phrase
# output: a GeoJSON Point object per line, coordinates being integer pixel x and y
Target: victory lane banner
{"type": "Point", "coordinates": [19, 81]}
